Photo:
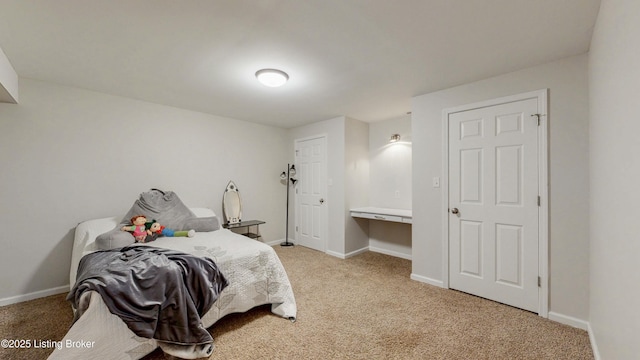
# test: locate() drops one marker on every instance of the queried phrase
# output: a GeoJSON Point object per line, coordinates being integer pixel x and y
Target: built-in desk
{"type": "Point", "coordinates": [384, 214]}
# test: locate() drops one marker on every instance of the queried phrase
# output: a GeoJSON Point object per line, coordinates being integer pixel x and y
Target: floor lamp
{"type": "Point", "coordinates": [288, 175]}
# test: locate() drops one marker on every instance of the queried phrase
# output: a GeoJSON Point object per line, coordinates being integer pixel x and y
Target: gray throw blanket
{"type": "Point", "coordinates": [158, 293]}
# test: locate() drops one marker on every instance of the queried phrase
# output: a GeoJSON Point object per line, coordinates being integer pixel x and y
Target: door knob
{"type": "Point", "coordinates": [454, 211]}
{"type": "Point", "coordinates": [321, 201]}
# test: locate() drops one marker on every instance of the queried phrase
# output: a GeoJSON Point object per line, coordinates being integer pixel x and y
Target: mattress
{"type": "Point", "coordinates": [254, 271]}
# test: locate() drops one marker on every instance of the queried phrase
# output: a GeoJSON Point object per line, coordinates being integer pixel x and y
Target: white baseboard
{"type": "Point", "coordinates": [34, 295]}
{"type": "Point", "coordinates": [347, 255]}
{"type": "Point", "coordinates": [336, 254]}
{"type": "Point", "coordinates": [580, 324]}
{"type": "Point", "coordinates": [390, 252]}
{"type": "Point", "coordinates": [568, 320]}
{"type": "Point", "coordinates": [357, 252]}
{"type": "Point", "coordinates": [427, 280]}
{"type": "Point", "coordinates": [277, 242]}
{"type": "Point", "coordinates": [594, 345]}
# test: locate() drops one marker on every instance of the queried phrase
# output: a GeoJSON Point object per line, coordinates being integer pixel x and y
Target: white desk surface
{"type": "Point", "coordinates": [383, 211]}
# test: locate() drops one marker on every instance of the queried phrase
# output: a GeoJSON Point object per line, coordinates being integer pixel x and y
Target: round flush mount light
{"type": "Point", "coordinates": [272, 77]}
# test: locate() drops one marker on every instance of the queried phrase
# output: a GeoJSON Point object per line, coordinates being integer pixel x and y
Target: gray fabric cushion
{"type": "Point", "coordinates": [162, 206]}
{"type": "Point", "coordinates": [115, 238]}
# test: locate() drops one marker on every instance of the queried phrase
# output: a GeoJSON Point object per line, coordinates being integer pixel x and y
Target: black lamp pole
{"type": "Point", "coordinates": [290, 169]}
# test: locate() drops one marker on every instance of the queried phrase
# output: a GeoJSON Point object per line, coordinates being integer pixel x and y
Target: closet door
{"type": "Point", "coordinates": [493, 203]}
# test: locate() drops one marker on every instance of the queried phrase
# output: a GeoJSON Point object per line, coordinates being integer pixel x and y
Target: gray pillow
{"type": "Point", "coordinates": [115, 238]}
{"type": "Point", "coordinates": [162, 206]}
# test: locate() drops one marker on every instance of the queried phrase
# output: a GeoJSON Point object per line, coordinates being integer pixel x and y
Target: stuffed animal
{"type": "Point", "coordinates": [164, 206]}
{"type": "Point", "coordinates": [155, 229]}
{"type": "Point", "coordinates": [138, 228]}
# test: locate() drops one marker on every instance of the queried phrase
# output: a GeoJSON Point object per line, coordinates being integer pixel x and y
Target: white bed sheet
{"type": "Point", "coordinates": [254, 271]}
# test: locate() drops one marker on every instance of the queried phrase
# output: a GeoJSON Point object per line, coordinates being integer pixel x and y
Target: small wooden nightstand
{"type": "Point", "coordinates": [247, 224]}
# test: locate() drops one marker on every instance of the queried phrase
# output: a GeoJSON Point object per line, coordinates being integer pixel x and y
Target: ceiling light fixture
{"type": "Point", "coordinates": [394, 138]}
{"type": "Point", "coordinates": [272, 77]}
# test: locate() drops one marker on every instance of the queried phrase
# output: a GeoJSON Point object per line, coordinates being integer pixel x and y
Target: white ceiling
{"type": "Point", "coordinates": [360, 58]}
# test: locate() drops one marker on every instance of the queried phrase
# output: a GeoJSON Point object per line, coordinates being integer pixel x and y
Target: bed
{"type": "Point", "coordinates": [253, 270]}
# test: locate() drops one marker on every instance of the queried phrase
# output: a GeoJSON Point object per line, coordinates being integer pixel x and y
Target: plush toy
{"type": "Point", "coordinates": [138, 228]}
{"type": "Point", "coordinates": [164, 206]}
{"type": "Point", "coordinates": [155, 229]}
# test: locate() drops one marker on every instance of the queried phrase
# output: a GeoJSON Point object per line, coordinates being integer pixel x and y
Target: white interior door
{"type": "Point", "coordinates": [493, 203]}
{"type": "Point", "coordinates": [311, 189]}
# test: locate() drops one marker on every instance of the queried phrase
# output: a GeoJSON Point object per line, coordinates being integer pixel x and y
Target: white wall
{"type": "Point", "coordinates": [390, 167]}
{"type": "Point", "coordinates": [68, 155]}
{"type": "Point", "coordinates": [356, 183]}
{"type": "Point", "coordinates": [390, 183]}
{"type": "Point", "coordinates": [348, 177]}
{"type": "Point", "coordinates": [614, 83]}
{"type": "Point", "coordinates": [569, 185]}
{"type": "Point", "coordinates": [356, 158]}
{"type": "Point", "coordinates": [8, 80]}
{"type": "Point", "coordinates": [334, 129]}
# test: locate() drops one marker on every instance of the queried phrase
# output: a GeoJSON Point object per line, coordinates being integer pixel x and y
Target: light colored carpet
{"type": "Point", "coordinates": [364, 307]}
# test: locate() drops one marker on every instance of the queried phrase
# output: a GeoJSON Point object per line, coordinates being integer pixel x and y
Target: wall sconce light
{"type": "Point", "coordinates": [394, 138]}
{"type": "Point", "coordinates": [288, 175]}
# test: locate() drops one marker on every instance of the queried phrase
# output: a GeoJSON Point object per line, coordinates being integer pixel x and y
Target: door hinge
{"type": "Point", "coordinates": [538, 200]}
{"type": "Point", "coordinates": [538, 116]}
{"type": "Point", "coordinates": [539, 281]}
{"type": "Point", "coordinates": [297, 231]}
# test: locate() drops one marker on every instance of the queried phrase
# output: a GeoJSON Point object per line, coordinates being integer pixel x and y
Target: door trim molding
{"type": "Point", "coordinates": [543, 187]}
